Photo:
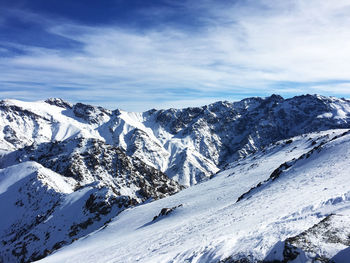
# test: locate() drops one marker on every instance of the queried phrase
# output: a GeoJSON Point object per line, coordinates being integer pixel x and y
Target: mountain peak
{"type": "Point", "coordinates": [91, 114]}
{"type": "Point", "coordinates": [59, 103]}
{"type": "Point", "coordinates": [275, 97]}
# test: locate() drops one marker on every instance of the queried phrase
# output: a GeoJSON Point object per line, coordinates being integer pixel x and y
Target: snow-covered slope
{"type": "Point", "coordinates": [287, 202]}
{"type": "Point", "coordinates": [188, 144]}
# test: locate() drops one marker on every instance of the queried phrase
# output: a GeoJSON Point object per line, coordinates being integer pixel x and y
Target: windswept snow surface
{"type": "Point", "coordinates": [211, 225]}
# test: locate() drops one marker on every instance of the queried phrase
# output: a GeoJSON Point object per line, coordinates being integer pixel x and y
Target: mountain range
{"type": "Point", "coordinates": [258, 180]}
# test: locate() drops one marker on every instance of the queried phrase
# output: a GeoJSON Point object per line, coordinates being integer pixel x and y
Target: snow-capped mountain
{"type": "Point", "coordinates": [68, 170]}
{"type": "Point", "coordinates": [187, 144]}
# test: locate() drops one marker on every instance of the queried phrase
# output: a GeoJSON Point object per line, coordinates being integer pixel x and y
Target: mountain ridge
{"type": "Point", "coordinates": [201, 140]}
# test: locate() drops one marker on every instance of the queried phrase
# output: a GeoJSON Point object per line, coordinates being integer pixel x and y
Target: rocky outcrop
{"type": "Point", "coordinates": [90, 160]}
{"type": "Point", "coordinates": [165, 211]}
{"type": "Point", "coordinates": [91, 114]}
{"type": "Point", "coordinates": [59, 103]}
{"type": "Point", "coordinates": [316, 244]}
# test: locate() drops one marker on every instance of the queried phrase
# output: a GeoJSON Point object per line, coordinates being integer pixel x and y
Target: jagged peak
{"type": "Point", "coordinates": [91, 114]}
{"type": "Point", "coordinates": [90, 108]}
{"type": "Point", "coordinates": [311, 96]}
{"type": "Point", "coordinates": [219, 103]}
{"type": "Point", "coordinates": [59, 103]}
{"type": "Point", "coordinates": [275, 97]}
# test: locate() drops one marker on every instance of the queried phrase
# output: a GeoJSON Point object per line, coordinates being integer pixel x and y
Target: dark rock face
{"type": "Point", "coordinates": [90, 160]}
{"type": "Point", "coordinates": [240, 259]}
{"type": "Point", "coordinates": [307, 246]}
{"type": "Point", "coordinates": [245, 126]}
{"type": "Point", "coordinates": [91, 114]}
{"type": "Point", "coordinates": [326, 231]}
{"type": "Point", "coordinates": [59, 103]}
{"type": "Point", "coordinates": [165, 211]}
{"type": "Point", "coordinates": [10, 135]}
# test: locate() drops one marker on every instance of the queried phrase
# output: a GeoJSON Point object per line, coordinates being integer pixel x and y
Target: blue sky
{"type": "Point", "coordinates": [142, 54]}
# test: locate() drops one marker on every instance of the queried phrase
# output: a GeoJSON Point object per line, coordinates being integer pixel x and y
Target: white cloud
{"type": "Point", "coordinates": [334, 89]}
{"type": "Point", "coordinates": [243, 49]}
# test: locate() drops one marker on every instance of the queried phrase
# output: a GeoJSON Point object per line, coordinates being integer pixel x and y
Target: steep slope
{"type": "Point", "coordinates": [29, 194]}
{"type": "Point", "coordinates": [187, 144]}
{"type": "Point", "coordinates": [93, 183]}
{"type": "Point", "coordinates": [209, 222]}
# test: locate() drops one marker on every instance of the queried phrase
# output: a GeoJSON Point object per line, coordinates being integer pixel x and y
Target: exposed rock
{"type": "Point", "coordinates": [165, 211]}
{"type": "Point", "coordinates": [91, 114]}
{"type": "Point", "coordinates": [312, 244]}
{"type": "Point", "coordinates": [59, 103]}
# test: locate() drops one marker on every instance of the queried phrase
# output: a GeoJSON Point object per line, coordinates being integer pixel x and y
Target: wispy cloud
{"type": "Point", "coordinates": [242, 49]}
